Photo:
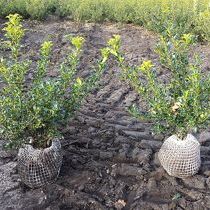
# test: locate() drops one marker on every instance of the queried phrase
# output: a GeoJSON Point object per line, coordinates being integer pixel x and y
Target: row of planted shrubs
{"type": "Point", "coordinates": [183, 16]}
{"type": "Point", "coordinates": [33, 112]}
{"type": "Point", "coordinates": [178, 105]}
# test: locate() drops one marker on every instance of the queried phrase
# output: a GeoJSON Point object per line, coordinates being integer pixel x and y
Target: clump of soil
{"type": "Point", "coordinates": [110, 158]}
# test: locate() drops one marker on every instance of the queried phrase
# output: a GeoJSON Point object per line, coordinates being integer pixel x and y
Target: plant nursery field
{"type": "Point", "coordinates": [110, 159]}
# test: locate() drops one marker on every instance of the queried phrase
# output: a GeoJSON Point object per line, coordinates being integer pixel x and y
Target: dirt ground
{"type": "Point", "coordinates": [110, 159]}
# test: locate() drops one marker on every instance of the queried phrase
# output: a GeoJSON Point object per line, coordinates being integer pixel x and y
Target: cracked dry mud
{"type": "Point", "coordinates": [110, 159]}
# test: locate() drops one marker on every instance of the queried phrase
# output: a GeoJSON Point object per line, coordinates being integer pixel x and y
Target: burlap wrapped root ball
{"type": "Point", "coordinates": [180, 158]}
{"type": "Point", "coordinates": [39, 167]}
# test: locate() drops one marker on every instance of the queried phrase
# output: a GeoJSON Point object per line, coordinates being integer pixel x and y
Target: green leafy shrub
{"type": "Point", "coordinates": [182, 16]}
{"type": "Point", "coordinates": [35, 110]}
{"type": "Point", "coordinates": [202, 23]}
{"type": "Point", "coordinates": [35, 9]}
{"type": "Point", "coordinates": [179, 104]}
{"type": "Point", "coordinates": [15, 6]}
{"type": "Point", "coordinates": [38, 9]}
{"type": "Point", "coordinates": [83, 10]}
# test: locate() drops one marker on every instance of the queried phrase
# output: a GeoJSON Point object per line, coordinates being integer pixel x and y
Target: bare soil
{"type": "Point", "coordinates": [110, 159]}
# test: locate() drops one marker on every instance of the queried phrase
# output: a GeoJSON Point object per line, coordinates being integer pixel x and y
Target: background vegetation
{"type": "Point", "coordinates": [182, 16]}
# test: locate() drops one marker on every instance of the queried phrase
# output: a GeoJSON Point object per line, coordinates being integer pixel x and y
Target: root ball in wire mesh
{"type": "Point", "coordinates": [39, 167]}
{"type": "Point", "coordinates": [180, 158]}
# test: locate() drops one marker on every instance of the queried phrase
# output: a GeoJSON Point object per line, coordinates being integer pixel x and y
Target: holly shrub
{"type": "Point", "coordinates": [179, 104]}
{"type": "Point", "coordinates": [34, 111]}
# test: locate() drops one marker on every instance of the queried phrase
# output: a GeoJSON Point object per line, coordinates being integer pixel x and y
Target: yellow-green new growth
{"type": "Point", "coordinates": [14, 29]}
{"type": "Point", "coordinates": [105, 52]}
{"type": "Point", "coordinates": [115, 42]}
{"type": "Point", "coordinates": [14, 33]}
{"type": "Point", "coordinates": [146, 66]}
{"type": "Point", "coordinates": [46, 48]}
{"type": "Point", "coordinates": [79, 81]}
{"type": "Point", "coordinates": [188, 39]}
{"type": "Point", "coordinates": [77, 42]}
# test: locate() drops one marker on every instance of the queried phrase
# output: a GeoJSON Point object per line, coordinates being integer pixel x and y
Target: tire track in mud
{"type": "Point", "coordinates": [110, 158]}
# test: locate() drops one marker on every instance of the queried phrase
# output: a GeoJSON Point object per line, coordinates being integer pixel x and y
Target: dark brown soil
{"type": "Point", "coordinates": [110, 159]}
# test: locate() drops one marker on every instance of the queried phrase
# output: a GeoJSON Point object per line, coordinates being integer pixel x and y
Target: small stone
{"type": "Point", "coordinates": [120, 204]}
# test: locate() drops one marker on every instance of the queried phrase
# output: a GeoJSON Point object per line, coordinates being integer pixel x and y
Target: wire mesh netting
{"type": "Point", "coordinates": [180, 158]}
{"type": "Point", "coordinates": [39, 167]}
